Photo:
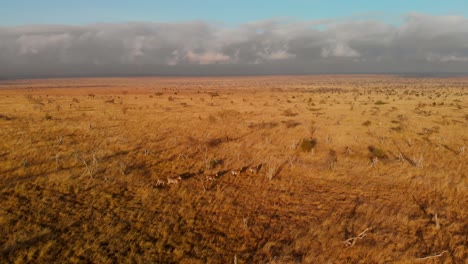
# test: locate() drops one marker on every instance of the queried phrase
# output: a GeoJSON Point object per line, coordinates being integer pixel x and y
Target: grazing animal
{"type": "Point", "coordinates": [348, 150]}
{"type": "Point", "coordinates": [173, 180]}
{"type": "Point", "coordinates": [256, 169]}
{"type": "Point", "coordinates": [211, 177]}
{"type": "Point", "coordinates": [374, 161]}
{"type": "Point", "coordinates": [400, 157]}
{"type": "Point", "coordinates": [160, 183]}
{"type": "Point", "coordinates": [235, 172]}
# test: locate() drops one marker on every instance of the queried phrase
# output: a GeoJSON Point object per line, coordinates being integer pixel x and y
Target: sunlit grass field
{"type": "Point", "coordinates": [285, 169]}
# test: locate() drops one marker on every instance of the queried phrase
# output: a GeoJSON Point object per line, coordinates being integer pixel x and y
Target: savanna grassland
{"type": "Point", "coordinates": [285, 169]}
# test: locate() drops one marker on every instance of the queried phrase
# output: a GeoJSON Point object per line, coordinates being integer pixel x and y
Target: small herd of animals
{"type": "Point", "coordinates": [210, 177]}
{"type": "Point", "coordinates": [173, 180]}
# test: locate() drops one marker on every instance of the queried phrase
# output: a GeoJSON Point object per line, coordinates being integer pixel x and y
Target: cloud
{"type": "Point", "coordinates": [446, 58]}
{"type": "Point", "coordinates": [207, 57]}
{"type": "Point", "coordinates": [339, 50]}
{"type": "Point", "coordinates": [278, 55]}
{"type": "Point", "coordinates": [421, 43]}
{"type": "Point", "coordinates": [33, 44]}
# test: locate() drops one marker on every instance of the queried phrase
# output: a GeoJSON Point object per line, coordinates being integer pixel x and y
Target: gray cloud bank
{"type": "Point", "coordinates": [422, 43]}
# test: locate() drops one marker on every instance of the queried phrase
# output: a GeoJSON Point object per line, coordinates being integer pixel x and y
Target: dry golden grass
{"type": "Point", "coordinates": [354, 169]}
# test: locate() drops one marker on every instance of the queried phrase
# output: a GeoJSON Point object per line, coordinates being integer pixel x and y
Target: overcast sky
{"type": "Point", "coordinates": [414, 43]}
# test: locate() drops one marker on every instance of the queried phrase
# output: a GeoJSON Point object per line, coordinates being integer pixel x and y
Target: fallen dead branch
{"type": "Point", "coordinates": [351, 241]}
{"type": "Point", "coordinates": [434, 256]}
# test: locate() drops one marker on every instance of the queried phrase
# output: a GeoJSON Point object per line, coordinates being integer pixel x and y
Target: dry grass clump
{"type": "Point", "coordinates": [209, 170]}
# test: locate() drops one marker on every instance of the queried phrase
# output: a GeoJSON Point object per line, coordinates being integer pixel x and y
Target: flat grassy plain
{"type": "Point", "coordinates": [284, 169]}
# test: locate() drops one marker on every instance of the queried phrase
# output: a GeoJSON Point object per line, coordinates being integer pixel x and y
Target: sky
{"type": "Point", "coordinates": [80, 38]}
{"type": "Point", "coordinates": [20, 12]}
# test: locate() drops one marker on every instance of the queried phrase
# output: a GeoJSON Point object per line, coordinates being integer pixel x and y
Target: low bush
{"type": "Point", "coordinates": [308, 144]}
{"type": "Point", "coordinates": [377, 152]}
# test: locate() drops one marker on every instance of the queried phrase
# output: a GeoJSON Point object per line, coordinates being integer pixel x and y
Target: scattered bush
{"type": "Point", "coordinates": [314, 109]}
{"type": "Point", "coordinates": [377, 152]}
{"type": "Point", "coordinates": [212, 163]}
{"type": "Point", "coordinates": [229, 114]}
{"type": "Point", "coordinates": [289, 112]}
{"type": "Point", "coordinates": [5, 117]}
{"type": "Point", "coordinates": [213, 94]}
{"type": "Point", "coordinates": [308, 144]}
{"type": "Point", "coordinates": [367, 123]}
{"type": "Point", "coordinates": [397, 129]}
{"type": "Point", "coordinates": [291, 123]}
{"type": "Point", "coordinates": [124, 110]}
{"type": "Point", "coordinates": [379, 102]}
{"type": "Point", "coordinates": [211, 119]}
{"type": "Point", "coordinates": [263, 125]}
{"type": "Point", "coordinates": [215, 142]}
